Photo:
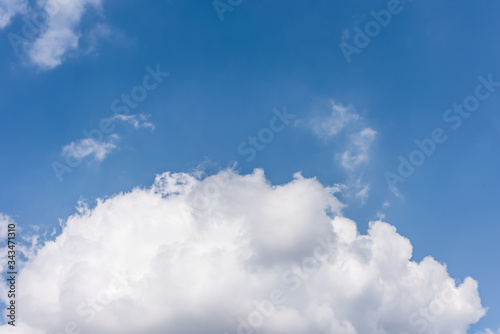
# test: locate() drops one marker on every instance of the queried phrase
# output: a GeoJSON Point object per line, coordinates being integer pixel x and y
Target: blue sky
{"type": "Point", "coordinates": [225, 78]}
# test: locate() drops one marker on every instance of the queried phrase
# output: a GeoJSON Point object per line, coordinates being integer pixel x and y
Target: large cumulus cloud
{"type": "Point", "coordinates": [234, 254]}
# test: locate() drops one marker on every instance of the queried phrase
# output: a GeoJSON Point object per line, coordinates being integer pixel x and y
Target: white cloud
{"type": "Point", "coordinates": [9, 9]}
{"type": "Point", "coordinates": [191, 256]}
{"type": "Point", "coordinates": [60, 34]}
{"type": "Point", "coordinates": [52, 28]}
{"type": "Point", "coordinates": [352, 137]}
{"type": "Point", "coordinates": [344, 118]}
{"type": "Point", "coordinates": [99, 149]}
{"type": "Point", "coordinates": [89, 147]}
{"type": "Point", "coordinates": [359, 153]}
{"type": "Point", "coordinates": [335, 122]}
{"type": "Point", "coordinates": [137, 120]}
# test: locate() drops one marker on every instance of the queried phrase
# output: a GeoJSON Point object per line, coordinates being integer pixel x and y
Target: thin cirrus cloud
{"type": "Point", "coordinates": [489, 331]}
{"type": "Point", "coordinates": [98, 150]}
{"type": "Point", "coordinates": [344, 119]}
{"type": "Point", "coordinates": [234, 254]}
{"type": "Point", "coordinates": [86, 147]}
{"type": "Point", "coordinates": [59, 32]}
{"type": "Point", "coordinates": [359, 149]}
{"type": "Point", "coordinates": [342, 125]}
{"type": "Point", "coordinates": [333, 123]}
{"type": "Point", "coordinates": [137, 121]}
{"type": "Point", "coordinates": [362, 193]}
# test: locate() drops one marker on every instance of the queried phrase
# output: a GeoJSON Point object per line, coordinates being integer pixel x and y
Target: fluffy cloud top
{"type": "Point", "coordinates": [234, 254]}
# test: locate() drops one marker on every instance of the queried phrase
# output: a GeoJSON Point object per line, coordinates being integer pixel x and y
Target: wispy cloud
{"type": "Point", "coordinates": [489, 331]}
{"type": "Point", "coordinates": [9, 9]}
{"type": "Point", "coordinates": [137, 121]}
{"type": "Point", "coordinates": [346, 130]}
{"type": "Point", "coordinates": [333, 123]}
{"type": "Point", "coordinates": [380, 214]}
{"type": "Point", "coordinates": [88, 147]}
{"type": "Point", "coordinates": [359, 150]}
{"type": "Point", "coordinates": [96, 146]}
{"type": "Point", "coordinates": [355, 188]}
{"type": "Point", "coordinates": [52, 28]}
{"type": "Point", "coordinates": [362, 194]}
{"type": "Point", "coordinates": [60, 34]}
